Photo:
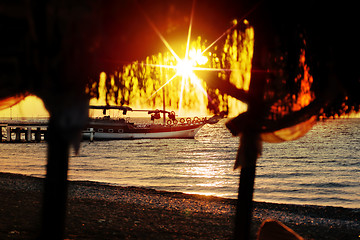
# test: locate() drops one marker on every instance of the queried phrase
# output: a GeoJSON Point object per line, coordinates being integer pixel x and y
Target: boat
{"type": "Point", "coordinates": [107, 128]}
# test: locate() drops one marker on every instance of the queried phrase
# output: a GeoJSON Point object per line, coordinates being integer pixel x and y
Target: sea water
{"type": "Point", "coordinates": [322, 168]}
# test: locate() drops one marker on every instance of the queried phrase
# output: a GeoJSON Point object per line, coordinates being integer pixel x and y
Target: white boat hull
{"type": "Point", "coordinates": [185, 133]}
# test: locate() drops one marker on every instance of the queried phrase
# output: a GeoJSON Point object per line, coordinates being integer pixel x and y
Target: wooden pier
{"type": "Point", "coordinates": [23, 131]}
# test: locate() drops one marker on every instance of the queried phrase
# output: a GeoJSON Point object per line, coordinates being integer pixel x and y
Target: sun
{"type": "Point", "coordinates": [184, 68]}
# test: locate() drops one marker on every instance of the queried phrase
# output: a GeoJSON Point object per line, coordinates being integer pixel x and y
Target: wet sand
{"type": "Point", "coordinates": [101, 211]}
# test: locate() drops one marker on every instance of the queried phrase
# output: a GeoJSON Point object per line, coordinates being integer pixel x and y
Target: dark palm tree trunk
{"type": "Point", "coordinates": [55, 188]}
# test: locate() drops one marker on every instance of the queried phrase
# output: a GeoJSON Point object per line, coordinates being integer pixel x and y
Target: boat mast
{"type": "Point", "coordinates": [163, 79]}
{"type": "Point", "coordinates": [163, 91]}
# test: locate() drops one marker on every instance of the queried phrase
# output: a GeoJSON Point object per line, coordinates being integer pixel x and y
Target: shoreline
{"type": "Point", "coordinates": [42, 176]}
{"type": "Point", "coordinates": [99, 211]}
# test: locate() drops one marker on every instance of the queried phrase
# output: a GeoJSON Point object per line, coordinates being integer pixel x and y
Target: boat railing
{"type": "Point", "coordinates": [187, 121]}
{"type": "Point", "coordinates": [108, 119]}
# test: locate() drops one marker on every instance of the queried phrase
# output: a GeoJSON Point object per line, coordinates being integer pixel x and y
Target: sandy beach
{"type": "Point", "coordinates": [100, 211]}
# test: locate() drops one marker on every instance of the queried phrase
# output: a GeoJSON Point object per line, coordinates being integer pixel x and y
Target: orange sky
{"type": "Point", "coordinates": [33, 107]}
{"type": "Point", "coordinates": [30, 107]}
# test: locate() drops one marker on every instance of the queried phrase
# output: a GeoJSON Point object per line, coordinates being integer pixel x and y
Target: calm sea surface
{"type": "Point", "coordinates": [322, 168]}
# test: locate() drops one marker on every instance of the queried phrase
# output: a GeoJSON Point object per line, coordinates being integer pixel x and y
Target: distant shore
{"type": "Point", "coordinates": [101, 211]}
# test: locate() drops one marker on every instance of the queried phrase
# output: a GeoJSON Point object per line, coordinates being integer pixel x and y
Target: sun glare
{"type": "Point", "coordinates": [178, 80]}
{"type": "Point", "coordinates": [198, 56]}
{"type": "Point", "coordinates": [185, 68]}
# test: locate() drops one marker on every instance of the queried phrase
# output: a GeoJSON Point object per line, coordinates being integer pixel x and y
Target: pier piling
{"type": "Point", "coordinates": [23, 131]}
